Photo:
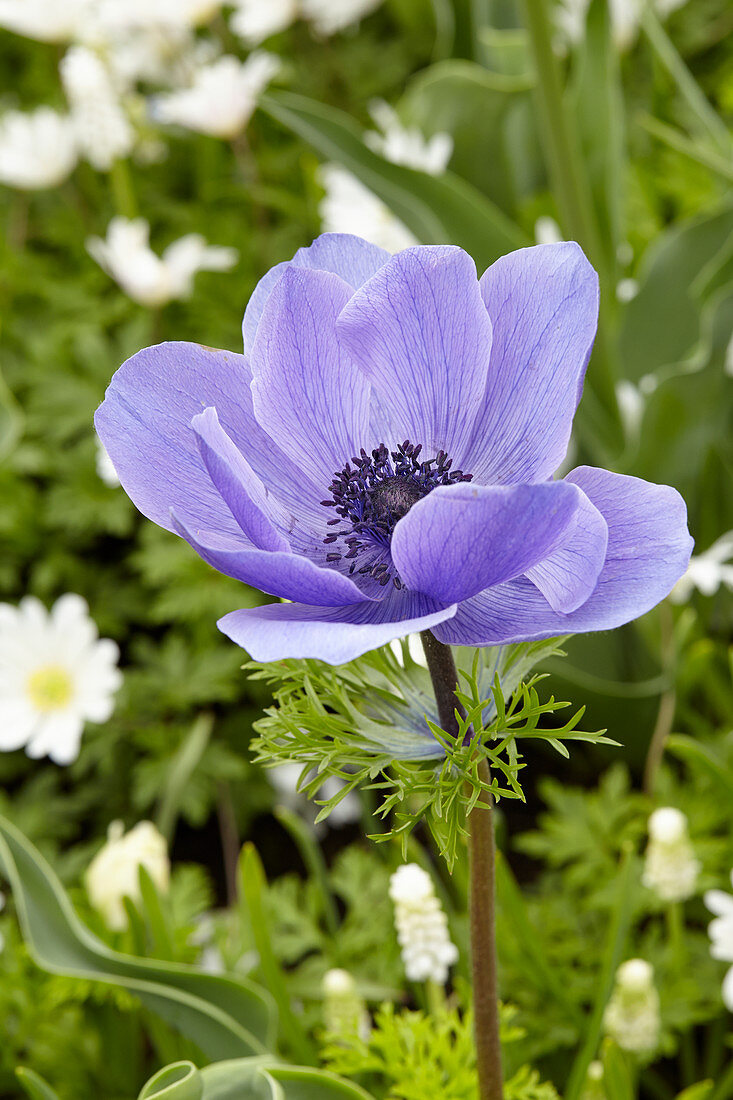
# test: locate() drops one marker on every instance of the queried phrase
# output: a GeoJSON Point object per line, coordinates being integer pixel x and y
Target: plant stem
{"type": "Point", "coordinates": [481, 863]}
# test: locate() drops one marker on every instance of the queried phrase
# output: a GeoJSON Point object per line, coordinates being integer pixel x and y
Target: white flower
{"type": "Point", "coordinates": [407, 145]}
{"type": "Point", "coordinates": [350, 207]}
{"type": "Point", "coordinates": [256, 20]}
{"type": "Point", "coordinates": [344, 1012]}
{"type": "Point", "coordinates": [45, 20]}
{"type": "Point", "coordinates": [102, 127]}
{"type": "Point", "coordinates": [37, 149]}
{"type": "Point", "coordinates": [105, 466]}
{"type": "Point", "coordinates": [632, 1017]}
{"type": "Point", "coordinates": [547, 231]}
{"type": "Point", "coordinates": [571, 15]}
{"type": "Point", "coordinates": [422, 926]}
{"type": "Point", "coordinates": [670, 867]}
{"type": "Point", "coordinates": [329, 16]}
{"type": "Point", "coordinates": [631, 404]}
{"type": "Point", "coordinates": [222, 97]}
{"type": "Point", "coordinates": [414, 648]}
{"type": "Point", "coordinates": [721, 933]}
{"type": "Point", "coordinates": [627, 289]}
{"type": "Point", "coordinates": [113, 874]}
{"type": "Point", "coordinates": [707, 571]}
{"type": "Point", "coordinates": [55, 674]}
{"type": "Point", "coordinates": [153, 280]}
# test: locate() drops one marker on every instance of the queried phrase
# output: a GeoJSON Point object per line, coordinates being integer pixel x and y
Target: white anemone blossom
{"type": "Point", "coordinates": [150, 279]}
{"type": "Point", "coordinates": [222, 97]}
{"type": "Point", "coordinates": [103, 129]}
{"type": "Point", "coordinates": [707, 571]}
{"type": "Point", "coordinates": [721, 935]}
{"type": "Point", "coordinates": [114, 873]}
{"type": "Point", "coordinates": [350, 207]}
{"type": "Point", "coordinates": [256, 20]}
{"type": "Point", "coordinates": [105, 467]}
{"type": "Point", "coordinates": [45, 20]}
{"type": "Point", "coordinates": [422, 926]}
{"type": "Point", "coordinates": [284, 779]}
{"type": "Point", "coordinates": [670, 867]}
{"type": "Point", "coordinates": [55, 675]}
{"type": "Point", "coordinates": [632, 1017]}
{"type": "Point", "coordinates": [37, 149]}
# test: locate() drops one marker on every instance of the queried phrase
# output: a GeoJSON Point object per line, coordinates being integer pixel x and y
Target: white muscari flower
{"type": "Point", "coordinates": [721, 934]}
{"type": "Point", "coordinates": [344, 1012]}
{"type": "Point", "coordinates": [329, 16]}
{"type": "Point", "coordinates": [670, 867]}
{"type": "Point", "coordinates": [222, 96]}
{"type": "Point", "coordinates": [707, 571]}
{"type": "Point", "coordinates": [422, 926]}
{"type": "Point", "coordinates": [152, 280]}
{"type": "Point", "coordinates": [45, 20]}
{"type": "Point", "coordinates": [256, 20]}
{"type": "Point", "coordinates": [55, 675]}
{"type": "Point", "coordinates": [632, 1017]}
{"type": "Point", "coordinates": [103, 130]}
{"type": "Point", "coordinates": [37, 149]}
{"type": "Point", "coordinates": [593, 1088]}
{"type": "Point", "coordinates": [113, 874]}
{"type": "Point", "coordinates": [105, 466]}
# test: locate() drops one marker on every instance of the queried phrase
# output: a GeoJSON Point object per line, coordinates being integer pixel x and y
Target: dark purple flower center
{"type": "Point", "coordinates": [372, 495]}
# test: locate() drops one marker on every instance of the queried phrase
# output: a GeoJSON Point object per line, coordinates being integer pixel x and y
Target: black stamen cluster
{"type": "Point", "coordinates": [374, 494]}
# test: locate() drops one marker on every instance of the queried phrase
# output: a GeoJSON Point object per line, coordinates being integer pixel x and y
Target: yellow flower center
{"type": "Point", "coordinates": [50, 687]}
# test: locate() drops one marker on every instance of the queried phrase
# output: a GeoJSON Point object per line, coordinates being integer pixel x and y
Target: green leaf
{"type": "Point", "coordinates": [182, 767]}
{"type": "Point", "coordinates": [225, 1016]}
{"type": "Point", "coordinates": [661, 325]}
{"type": "Point", "coordinates": [247, 1079]}
{"type": "Point", "coordinates": [438, 209]}
{"type": "Point", "coordinates": [179, 1081]}
{"type": "Point", "coordinates": [701, 1091]}
{"type": "Point", "coordinates": [617, 1081]}
{"type": "Point", "coordinates": [696, 754]}
{"type": "Point", "coordinates": [34, 1085]}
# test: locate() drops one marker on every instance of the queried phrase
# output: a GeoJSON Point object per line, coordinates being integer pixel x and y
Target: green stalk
{"type": "Point", "coordinates": [481, 863]}
{"type": "Point", "coordinates": [123, 192]}
{"type": "Point", "coordinates": [572, 190]}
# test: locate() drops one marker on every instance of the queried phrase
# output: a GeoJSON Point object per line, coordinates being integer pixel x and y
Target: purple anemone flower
{"type": "Point", "coordinates": [382, 455]}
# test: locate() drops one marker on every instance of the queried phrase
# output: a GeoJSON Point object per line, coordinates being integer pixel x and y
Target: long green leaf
{"type": "Point", "coordinates": [34, 1085]}
{"type": "Point", "coordinates": [182, 767]}
{"type": "Point", "coordinates": [696, 754]}
{"type": "Point", "coordinates": [179, 1081]}
{"type": "Point", "coordinates": [438, 209]}
{"type": "Point", "coordinates": [226, 1017]}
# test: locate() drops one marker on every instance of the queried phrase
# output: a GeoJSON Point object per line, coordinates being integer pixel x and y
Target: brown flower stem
{"type": "Point", "coordinates": [481, 863]}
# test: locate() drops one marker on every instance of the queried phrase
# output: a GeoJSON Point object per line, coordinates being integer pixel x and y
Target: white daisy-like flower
{"type": "Point", "coordinates": [256, 20]}
{"type": "Point", "coordinates": [329, 16]}
{"type": "Point", "coordinates": [37, 149]}
{"type": "Point", "coordinates": [632, 1017]}
{"type": "Point", "coordinates": [114, 875]}
{"type": "Point", "coordinates": [631, 405]}
{"type": "Point", "coordinates": [547, 231]}
{"type": "Point", "coordinates": [350, 207]}
{"type": "Point", "coordinates": [670, 867]}
{"type": "Point", "coordinates": [422, 926]}
{"type": "Point", "coordinates": [222, 97]}
{"type": "Point", "coordinates": [103, 129]}
{"type": "Point", "coordinates": [45, 20]}
{"type": "Point", "coordinates": [152, 280]}
{"type": "Point", "coordinates": [284, 779]}
{"type": "Point", "coordinates": [707, 571]}
{"type": "Point", "coordinates": [55, 675]}
{"type": "Point", "coordinates": [571, 16]}
{"type": "Point", "coordinates": [414, 648]}
{"type": "Point", "coordinates": [721, 934]}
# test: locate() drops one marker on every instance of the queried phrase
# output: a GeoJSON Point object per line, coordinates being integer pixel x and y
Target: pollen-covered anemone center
{"type": "Point", "coordinates": [50, 687]}
{"type": "Point", "coordinates": [372, 495]}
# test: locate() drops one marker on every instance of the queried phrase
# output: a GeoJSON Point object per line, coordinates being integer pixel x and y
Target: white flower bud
{"type": "Point", "coordinates": [593, 1088]}
{"type": "Point", "coordinates": [103, 130]}
{"type": "Point", "coordinates": [113, 874]}
{"type": "Point", "coordinates": [344, 1012]}
{"type": "Point", "coordinates": [632, 1017]}
{"type": "Point", "coordinates": [670, 867]}
{"type": "Point", "coordinates": [37, 149]}
{"type": "Point", "coordinates": [422, 926]}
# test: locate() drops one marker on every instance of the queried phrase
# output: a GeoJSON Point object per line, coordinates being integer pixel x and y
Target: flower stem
{"type": "Point", "coordinates": [481, 864]}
